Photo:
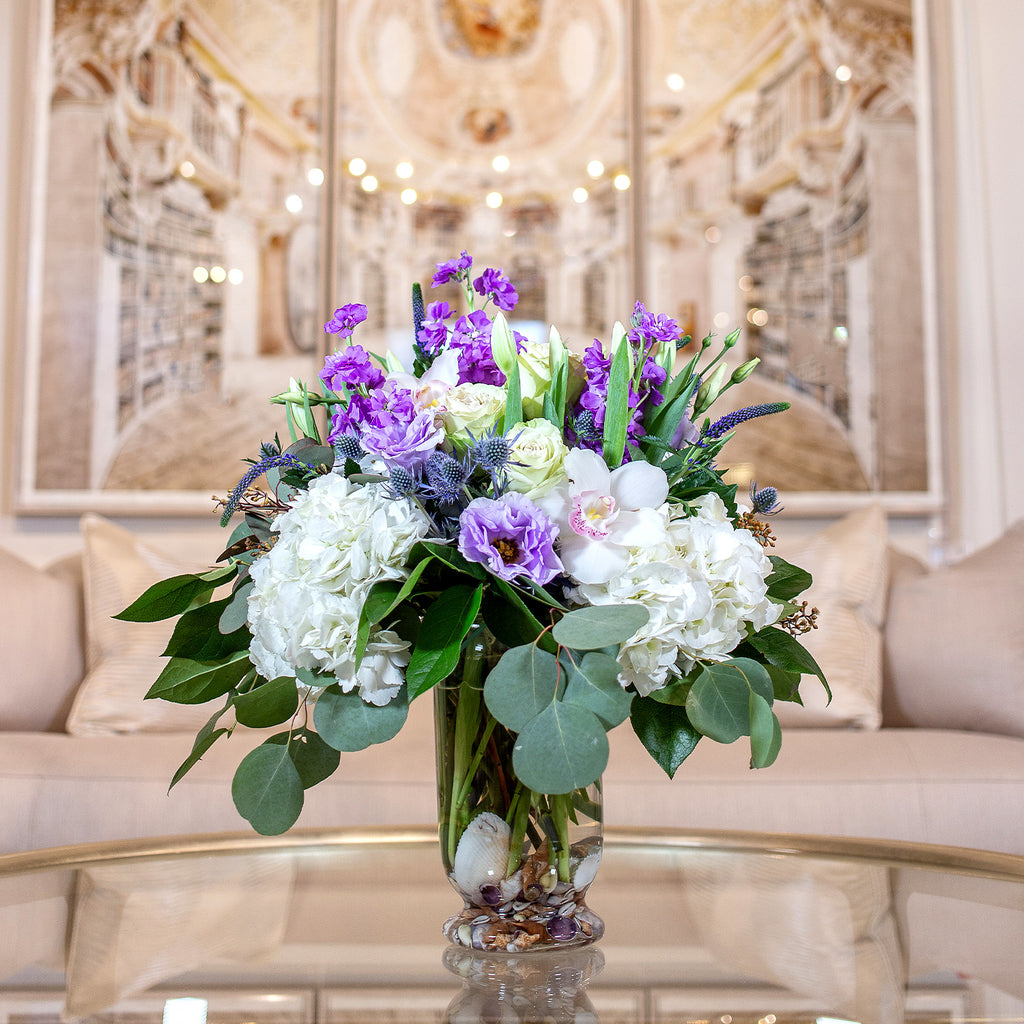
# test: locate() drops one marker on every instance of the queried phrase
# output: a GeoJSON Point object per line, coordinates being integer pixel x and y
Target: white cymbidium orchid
{"type": "Point", "coordinates": [603, 512]}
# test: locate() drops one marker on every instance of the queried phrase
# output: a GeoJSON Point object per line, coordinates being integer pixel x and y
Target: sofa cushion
{"type": "Point", "coordinates": [123, 658]}
{"type": "Point", "coordinates": [848, 561]}
{"type": "Point", "coordinates": [41, 651]}
{"type": "Point", "coordinates": [955, 642]}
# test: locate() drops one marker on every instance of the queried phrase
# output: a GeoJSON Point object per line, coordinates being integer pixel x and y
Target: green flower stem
{"type": "Point", "coordinates": [467, 782]}
{"type": "Point", "coordinates": [560, 807]}
{"type": "Point", "coordinates": [467, 718]}
{"type": "Point", "coordinates": [522, 801]}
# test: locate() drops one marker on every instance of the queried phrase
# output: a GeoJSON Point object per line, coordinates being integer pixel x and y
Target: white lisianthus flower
{"type": "Point", "coordinates": [703, 583]}
{"type": "Point", "coordinates": [335, 542]}
{"type": "Point", "coordinates": [536, 459]}
{"type": "Point", "coordinates": [472, 409]}
{"type": "Point", "coordinates": [603, 513]}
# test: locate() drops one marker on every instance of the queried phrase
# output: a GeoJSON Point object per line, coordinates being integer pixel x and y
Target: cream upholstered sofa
{"type": "Point", "coordinates": [924, 740]}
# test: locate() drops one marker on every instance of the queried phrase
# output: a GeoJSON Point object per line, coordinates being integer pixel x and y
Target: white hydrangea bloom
{"type": "Point", "coordinates": [701, 582]}
{"type": "Point", "coordinates": [335, 542]}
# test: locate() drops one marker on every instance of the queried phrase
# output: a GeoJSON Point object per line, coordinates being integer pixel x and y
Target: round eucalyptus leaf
{"type": "Point", "coordinates": [597, 626]}
{"type": "Point", "coordinates": [269, 704]}
{"type": "Point", "coordinates": [594, 684]}
{"type": "Point", "coordinates": [765, 733]}
{"type": "Point", "coordinates": [563, 748]}
{"type": "Point", "coordinates": [346, 722]}
{"type": "Point", "coordinates": [718, 704]}
{"type": "Point", "coordinates": [313, 759]}
{"type": "Point", "coordinates": [267, 790]}
{"type": "Point", "coordinates": [521, 685]}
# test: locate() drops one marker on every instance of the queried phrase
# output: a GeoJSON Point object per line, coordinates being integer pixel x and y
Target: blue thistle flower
{"type": "Point", "coordinates": [734, 419]}
{"type": "Point", "coordinates": [583, 425]}
{"type": "Point", "coordinates": [347, 447]}
{"type": "Point", "coordinates": [401, 482]}
{"type": "Point", "coordinates": [258, 469]}
{"type": "Point", "coordinates": [764, 502]}
{"type": "Point", "coordinates": [492, 452]}
{"type": "Point", "coordinates": [446, 477]}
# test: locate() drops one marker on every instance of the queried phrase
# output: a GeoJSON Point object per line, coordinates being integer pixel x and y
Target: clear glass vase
{"type": "Point", "coordinates": [521, 860]}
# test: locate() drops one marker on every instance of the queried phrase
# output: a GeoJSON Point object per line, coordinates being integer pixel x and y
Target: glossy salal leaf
{"type": "Point", "coordinates": [175, 595]}
{"type": "Point", "coordinates": [346, 722]}
{"type": "Point", "coordinates": [267, 789]}
{"type": "Point", "coordinates": [599, 625]}
{"type": "Point", "coordinates": [665, 730]}
{"type": "Point", "coordinates": [765, 733]}
{"type": "Point", "coordinates": [786, 652]}
{"type": "Point", "coordinates": [785, 684]}
{"type": "Point", "coordinates": [786, 580]}
{"type": "Point", "coordinates": [718, 704]}
{"type": "Point", "coordinates": [313, 759]}
{"type": "Point", "coordinates": [521, 685]}
{"type": "Point", "coordinates": [445, 625]}
{"type": "Point", "coordinates": [270, 703]}
{"type": "Point", "coordinates": [197, 634]}
{"type": "Point", "coordinates": [184, 681]}
{"type": "Point", "coordinates": [205, 738]}
{"type": "Point", "coordinates": [563, 748]}
{"type": "Point", "coordinates": [594, 684]}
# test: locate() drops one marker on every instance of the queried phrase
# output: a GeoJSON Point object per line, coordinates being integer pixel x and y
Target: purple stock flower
{"type": "Point", "coordinates": [445, 272]}
{"type": "Point", "coordinates": [351, 367]}
{"type": "Point", "coordinates": [434, 335]}
{"type": "Point", "coordinates": [390, 427]}
{"type": "Point", "coordinates": [471, 338]}
{"type": "Point", "coordinates": [496, 285]}
{"type": "Point", "coordinates": [650, 327]}
{"type": "Point", "coordinates": [346, 319]}
{"type": "Point", "coordinates": [511, 537]}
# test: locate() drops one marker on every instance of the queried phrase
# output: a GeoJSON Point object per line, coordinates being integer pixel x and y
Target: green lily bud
{"type": "Point", "coordinates": [296, 393]}
{"type": "Point", "coordinates": [741, 373]}
{"type": "Point", "coordinates": [503, 344]}
{"type": "Point", "coordinates": [710, 390]}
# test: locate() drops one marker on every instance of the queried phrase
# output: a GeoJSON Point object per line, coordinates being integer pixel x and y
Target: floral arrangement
{"type": "Point", "coordinates": [570, 506]}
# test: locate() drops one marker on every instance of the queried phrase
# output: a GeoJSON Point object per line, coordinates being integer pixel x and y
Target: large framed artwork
{"type": "Point", "coordinates": [219, 174]}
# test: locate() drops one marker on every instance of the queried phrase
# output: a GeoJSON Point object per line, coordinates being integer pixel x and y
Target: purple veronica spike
{"type": "Point", "coordinates": [734, 419]}
{"type": "Point", "coordinates": [346, 319]}
{"type": "Point", "coordinates": [511, 537]}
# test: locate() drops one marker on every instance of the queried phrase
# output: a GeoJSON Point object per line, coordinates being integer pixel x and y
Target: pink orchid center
{"type": "Point", "coordinates": [592, 514]}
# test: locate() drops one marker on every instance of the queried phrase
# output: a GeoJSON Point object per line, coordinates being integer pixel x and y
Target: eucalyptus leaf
{"type": "Point", "coordinates": [445, 625]}
{"type": "Point", "coordinates": [665, 730]}
{"type": "Point", "coordinates": [594, 684]}
{"type": "Point", "coordinates": [563, 748]}
{"type": "Point", "coordinates": [596, 626]}
{"type": "Point", "coordinates": [184, 681]}
{"type": "Point", "coordinates": [765, 732]}
{"type": "Point", "coordinates": [271, 703]}
{"type": "Point", "coordinates": [346, 722]}
{"type": "Point", "coordinates": [267, 790]}
{"type": "Point", "coordinates": [235, 615]}
{"type": "Point", "coordinates": [521, 686]}
{"type": "Point", "coordinates": [313, 759]}
{"type": "Point", "coordinates": [719, 701]}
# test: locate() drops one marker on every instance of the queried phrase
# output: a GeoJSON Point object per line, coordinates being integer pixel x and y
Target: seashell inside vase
{"type": "Point", "coordinates": [522, 861]}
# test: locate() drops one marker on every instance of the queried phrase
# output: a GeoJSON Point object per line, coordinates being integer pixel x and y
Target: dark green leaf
{"type": "Point", "coordinates": [599, 625]}
{"type": "Point", "coordinates": [455, 560]}
{"type": "Point", "coordinates": [594, 684]}
{"type": "Point", "coordinates": [205, 738]}
{"type": "Point", "coordinates": [563, 748]}
{"type": "Point", "coordinates": [510, 619]}
{"type": "Point", "coordinates": [346, 722]}
{"type": "Point", "coordinates": [719, 702]}
{"type": "Point", "coordinates": [313, 759]}
{"type": "Point", "coordinates": [197, 634]}
{"type": "Point", "coordinates": [184, 681]}
{"type": "Point", "coordinates": [267, 790]}
{"type": "Point", "coordinates": [269, 704]}
{"type": "Point", "coordinates": [786, 580]}
{"type": "Point", "coordinates": [445, 625]}
{"type": "Point", "coordinates": [521, 685]}
{"type": "Point", "coordinates": [786, 652]}
{"type": "Point", "coordinates": [665, 730]}
{"type": "Point", "coordinates": [173, 596]}
{"type": "Point", "coordinates": [765, 732]}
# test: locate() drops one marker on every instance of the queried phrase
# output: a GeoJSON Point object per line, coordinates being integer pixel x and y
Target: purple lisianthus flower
{"type": "Point", "coordinates": [434, 335]}
{"type": "Point", "coordinates": [394, 430]}
{"type": "Point", "coordinates": [496, 285]}
{"type": "Point", "coordinates": [346, 319]}
{"type": "Point", "coordinates": [445, 272]}
{"type": "Point", "coordinates": [511, 537]}
{"type": "Point", "coordinates": [351, 368]}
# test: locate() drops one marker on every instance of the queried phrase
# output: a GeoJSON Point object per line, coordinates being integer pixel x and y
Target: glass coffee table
{"type": "Point", "coordinates": [344, 926]}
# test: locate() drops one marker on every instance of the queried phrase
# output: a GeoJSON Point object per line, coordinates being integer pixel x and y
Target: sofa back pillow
{"type": "Point", "coordinates": [41, 660]}
{"type": "Point", "coordinates": [124, 658]}
{"type": "Point", "coordinates": [849, 563]}
{"type": "Point", "coordinates": [955, 642]}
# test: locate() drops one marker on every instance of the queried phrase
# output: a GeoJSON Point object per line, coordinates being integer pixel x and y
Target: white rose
{"type": "Point", "coordinates": [536, 459]}
{"type": "Point", "coordinates": [535, 377]}
{"type": "Point", "coordinates": [472, 409]}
